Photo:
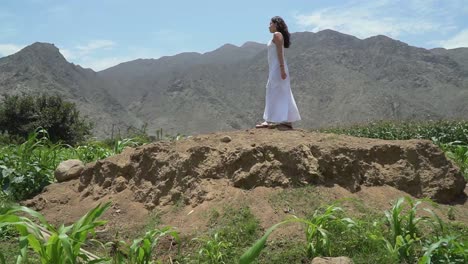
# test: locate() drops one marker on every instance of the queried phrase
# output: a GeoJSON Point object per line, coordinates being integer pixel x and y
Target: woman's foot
{"type": "Point", "coordinates": [262, 125]}
{"type": "Point", "coordinates": [284, 126]}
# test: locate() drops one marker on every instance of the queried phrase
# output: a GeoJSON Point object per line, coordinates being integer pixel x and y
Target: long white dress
{"type": "Point", "coordinates": [280, 105]}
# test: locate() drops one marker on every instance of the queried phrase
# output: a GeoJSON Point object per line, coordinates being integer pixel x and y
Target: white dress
{"type": "Point", "coordinates": [280, 105]}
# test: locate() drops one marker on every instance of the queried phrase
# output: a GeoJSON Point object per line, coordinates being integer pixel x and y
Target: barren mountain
{"type": "Point", "coordinates": [40, 68]}
{"type": "Point", "coordinates": [460, 55]}
{"type": "Point", "coordinates": [336, 79]}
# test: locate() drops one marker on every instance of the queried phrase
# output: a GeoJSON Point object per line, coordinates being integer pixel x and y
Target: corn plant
{"type": "Point", "coordinates": [27, 168]}
{"type": "Point", "coordinates": [120, 145]}
{"type": "Point", "coordinates": [459, 154]}
{"type": "Point", "coordinates": [91, 151]}
{"type": "Point", "coordinates": [443, 131]}
{"type": "Point", "coordinates": [317, 235]}
{"type": "Point", "coordinates": [445, 250]}
{"type": "Point", "coordinates": [53, 245]}
{"type": "Point", "coordinates": [442, 246]}
{"type": "Point", "coordinates": [403, 229]}
{"type": "Point", "coordinates": [141, 250]}
{"type": "Point", "coordinates": [318, 242]}
{"type": "Point", "coordinates": [214, 250]}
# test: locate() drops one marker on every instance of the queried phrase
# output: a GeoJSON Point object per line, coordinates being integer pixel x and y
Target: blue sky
{"type": "Point", "coordinates": [102, 33]}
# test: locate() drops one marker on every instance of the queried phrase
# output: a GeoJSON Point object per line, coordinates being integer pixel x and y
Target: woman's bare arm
{"type": "Point", "coordinates": [278, 40]}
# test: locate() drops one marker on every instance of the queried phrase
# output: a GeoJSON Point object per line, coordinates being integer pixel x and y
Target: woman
{"type": "Point", "coordinates": [280, 107]}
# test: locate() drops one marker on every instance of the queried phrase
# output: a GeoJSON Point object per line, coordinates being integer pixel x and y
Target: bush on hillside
{"type": "Point", "coordinates": [21, 115]}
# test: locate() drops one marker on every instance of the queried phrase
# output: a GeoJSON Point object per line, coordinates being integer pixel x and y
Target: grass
{"type": "Point", "coordinates": [298, 201]}
{"type": "Point", "coordinates": [376, 237]}
{"type": "Point", "coordinates": [400, 236]}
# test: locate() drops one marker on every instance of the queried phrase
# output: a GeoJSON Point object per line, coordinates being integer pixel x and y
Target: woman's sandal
{"type": "Point", "coordinates": [284, 126]}
{"type": "Point", "coordinates": [262, 125]}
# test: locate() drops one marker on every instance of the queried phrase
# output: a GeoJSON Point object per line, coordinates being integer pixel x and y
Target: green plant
{"type": "Point", "coordinates": [451, 213]}
{"type": "Point", "coordinates": [445, 250]}
{"type": "Point", "coordinates": [403, 229]}
{"type": "Point", "coordinates": [214, 250]}
{"type": "Point", "coordinates": [141, 250]}
{"type": "Point", "coordinates": [317, 235]}
{"type": "Point", "coordinates": [53, 245]}
{"type": "Point", "coordinates": [22, 114]}
{"type": "Point", "coordinates": [92, 151]}
{"type": "Point", "coordinates": [121, 144]}
{"type": "Point", "coordinates": [443, 131]}
{"type": "Point", "coordinates": [238, 225]}
{"type": "Point", "coordinates": [27, 168]}
{"type": "Point", "coordinates": [459, 154]}
{"type": "Point", "coordinates": [231, 231]}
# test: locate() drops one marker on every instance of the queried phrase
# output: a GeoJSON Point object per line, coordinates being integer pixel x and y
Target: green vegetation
{"type": "Point", "coordinates": [140, 251]}
{"type": "Point", "coordinates": [22, 114]}
{"type": "Point", "coordinates": [231, 233]}
{"type": "Point", "coordinates": [441, 131]}
{"type": "Point", "coordinates": [27, 167]}
{"type": "Point", "coordinates": [400, 235]}
{"type": "Point", "coordinates": [51, 244]}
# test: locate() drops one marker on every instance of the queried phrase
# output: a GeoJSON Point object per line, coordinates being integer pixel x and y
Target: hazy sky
{"type": "Point", "coordinates": [102, 33]}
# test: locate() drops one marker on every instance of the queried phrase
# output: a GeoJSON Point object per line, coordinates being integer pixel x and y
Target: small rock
{"type": "Point", "coordinates": [120, 184]}
{"type": "Point", "coordinates": [209, 197]}
{"type": "Point", "coordinates": [226, 139]}
{"type": "Point", "coordinates": [68, 170]}
{"type": "Point", "coordinates": [253, 145]}
{"type": "Point", "coordinates": [149, 206]}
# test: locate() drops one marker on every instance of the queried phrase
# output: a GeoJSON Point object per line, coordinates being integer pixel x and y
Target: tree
{"type": "Point", "coordinates": [23, 114]}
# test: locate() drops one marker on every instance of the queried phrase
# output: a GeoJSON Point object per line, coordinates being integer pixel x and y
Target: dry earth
{"type": "Point", "coordinates": [275, 173]}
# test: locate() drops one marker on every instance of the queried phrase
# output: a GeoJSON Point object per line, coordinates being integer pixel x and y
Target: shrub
{"type": "Point", "coordinates": [22, 114]}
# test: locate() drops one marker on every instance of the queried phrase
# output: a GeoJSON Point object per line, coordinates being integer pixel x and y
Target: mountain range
{"type": "Point", "coordinates": [337, 79]}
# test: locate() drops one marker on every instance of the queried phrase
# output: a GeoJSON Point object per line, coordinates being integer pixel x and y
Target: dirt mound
{"type": "Point", "coordinates": [248, 168]}
{"type": "Point", "coordinates": [167, 172]}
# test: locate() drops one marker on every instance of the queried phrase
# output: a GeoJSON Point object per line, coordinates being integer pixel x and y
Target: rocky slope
{"type": "Point", "coordinates": [40, 68]}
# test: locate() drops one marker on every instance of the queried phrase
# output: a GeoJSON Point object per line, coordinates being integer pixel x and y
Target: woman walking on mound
{"type": "Point", "coordinates": [280, 106]}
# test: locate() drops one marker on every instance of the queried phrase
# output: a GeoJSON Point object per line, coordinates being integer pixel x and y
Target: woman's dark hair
{"type": "Point", "coordinates": [283, 28]}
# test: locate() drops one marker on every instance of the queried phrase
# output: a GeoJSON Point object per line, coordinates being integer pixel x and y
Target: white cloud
{"type": "Point", "coordinates": [95, 45]}
{"type": "Point", "coordinates": [8, 49]}
{"type": "Point", "coordinates": [457, 41]}
{"type": "Point", "coordinates": [392, 18]}
{"type": "Point", "coordinates": [85, 54]}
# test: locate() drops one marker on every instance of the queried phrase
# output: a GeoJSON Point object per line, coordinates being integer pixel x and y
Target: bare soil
{"type": "Point", "coordinates": [274, 173]}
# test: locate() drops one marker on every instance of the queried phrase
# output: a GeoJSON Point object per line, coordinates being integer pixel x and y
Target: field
{"type": "Point", "coordinates": [410, 231]}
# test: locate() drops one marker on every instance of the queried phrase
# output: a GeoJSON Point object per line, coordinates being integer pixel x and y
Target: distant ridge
{"type": "Point", "coordinates": [336, 79]}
